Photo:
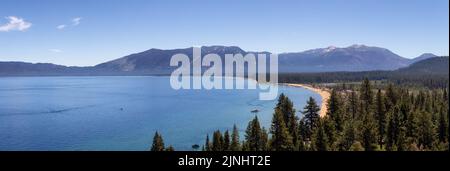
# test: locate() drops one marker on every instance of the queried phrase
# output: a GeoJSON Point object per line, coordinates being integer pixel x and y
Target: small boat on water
{"type": "Point", "coordinates": [255, 111]}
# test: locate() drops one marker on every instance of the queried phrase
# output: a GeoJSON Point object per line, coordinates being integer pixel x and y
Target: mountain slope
{"type": "Point", "coordinates": [156, 61]}
{"type": "Point", "coordinates": [423, 57]}
{"type": "Point", "coordinates": [352, 58]}
{"type": "Point", "coordinates": [430, 66]}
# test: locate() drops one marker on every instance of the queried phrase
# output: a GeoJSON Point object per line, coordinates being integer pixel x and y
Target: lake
{"type": "Point", "coordinates": [122, 113]}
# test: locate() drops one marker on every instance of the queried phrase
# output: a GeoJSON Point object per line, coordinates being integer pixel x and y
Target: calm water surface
{"type": "Point", "coordinates": [122, 113]}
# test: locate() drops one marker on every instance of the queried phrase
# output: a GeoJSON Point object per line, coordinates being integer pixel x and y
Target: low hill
{"type": "Point", "coordinates": [434, 66]}
{"type": "Point", "coordinates": [432, 72]}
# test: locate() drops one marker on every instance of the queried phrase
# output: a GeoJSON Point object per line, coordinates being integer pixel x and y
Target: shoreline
{"type": "Point", "coordinates": [324, 94]}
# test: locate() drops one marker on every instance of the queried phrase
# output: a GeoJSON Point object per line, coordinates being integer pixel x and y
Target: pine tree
{"type": "Point", "coordinates": [217, 144]}
{"type": "Point", "coordinates": [208, 144]}
{"type": "Point", "coordinates": [293, 129]}
{"type": "Point", "coordinates": [311, 116]}
{"type": "Point", "coordinates": [427, 105]}
{"type": "Point", "coordinates": [426, 131]}
{"type": "Point", "coordinates": [158, 143]}
{"type": "Point", "coordinates": [443, 125]}
{"type": "Point", "coordinates": [366, 96]}
{"type": "Point", "coordinates": [402, 140]}
{"type": "Point", "coordinates": [330, 132]}
{"type": "Point", "coordinates": [380, 115]}
{"type": "Point", "coordinates": [226, 141]}
{"type": "Point", "coordinates": [302, 135]}
{"type": "Point", "coordinates": [244, 146]}
{"type": "Point", "coordinates": [412, 126]}
{"type": "Point", "coordinates": [412, 100]}
{"type": "Point", "coordinates": [392, 132]}
{"type": "Point", "coordinates": [281, 139]}
{"type": "Point", "coordinates": [445, 96]}
{"type": "Point", "coordinates": [391, 97]}
{"type": "Point", "coordinates": [301, 144]}
{"type": "Point", "coordinates": [405, 111]}
{"type": "Point", "coordinates": [286, 107]}
{"type": "Point", "coordinates": [353, 105]}
{"type": "Point", "coordinates": [335, 111]}
{"type": "Point", "coordinates": [420, 102]}
{"type": "Point", "coordinates": [235, 145]}
{"type": "Point", "coordinates": [369, 133]}
{"type": "Point", "coordinates": [254, 136]}
{"type": "Point", "coordinates": [320, 140]}
{"type": "Point", "coordinates": [348, 138]}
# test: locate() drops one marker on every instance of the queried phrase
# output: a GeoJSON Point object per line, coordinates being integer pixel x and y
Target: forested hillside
{"type": "Point", "coordinates": [358, 119]}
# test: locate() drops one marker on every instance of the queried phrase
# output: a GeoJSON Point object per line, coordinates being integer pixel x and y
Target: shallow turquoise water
{"type": "Point", "coordinates": [121, 113]}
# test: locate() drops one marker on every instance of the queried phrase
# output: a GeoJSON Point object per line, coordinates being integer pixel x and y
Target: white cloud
{"type": "Point", "coordinates": [15, 24]}
{"type": "Point", "coordinates": [55, 50]}
{"type": "Point", "coordinates": [76, 21]}
{"type": "Point", "coordinates": [60, 27]}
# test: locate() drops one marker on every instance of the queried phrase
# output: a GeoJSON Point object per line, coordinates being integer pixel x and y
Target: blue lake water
{"type": "Point", "coordinates": [122, 113]}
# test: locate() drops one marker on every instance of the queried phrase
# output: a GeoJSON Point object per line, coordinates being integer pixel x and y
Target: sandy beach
{"type": "Point", "coordinates": [323, 93]}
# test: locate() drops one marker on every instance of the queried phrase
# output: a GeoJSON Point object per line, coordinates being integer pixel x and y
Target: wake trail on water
{"type": "Point", "coordinates": [50, 111]}
{"type": "Point", "coordinates": [65, 110]}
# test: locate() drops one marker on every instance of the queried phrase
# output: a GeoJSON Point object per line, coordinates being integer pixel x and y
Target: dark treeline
{"type": "Point", "coordinates": [358, 119]}
{"type": "Point", "coordinates": [404, 79]}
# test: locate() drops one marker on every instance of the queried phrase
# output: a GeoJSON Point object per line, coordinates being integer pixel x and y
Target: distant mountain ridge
{"type": "Point", "coordinates": [352, 58]}
{"type": "Point", "coordinates": [48, 69]}
{"type": "Point", "coordinates": [156, 61]}
{"type": "Point", "coordinates": [423, 57]}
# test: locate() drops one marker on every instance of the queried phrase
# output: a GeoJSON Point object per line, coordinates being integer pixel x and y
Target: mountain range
{"type": "Point", "coordinates": [156, 61]}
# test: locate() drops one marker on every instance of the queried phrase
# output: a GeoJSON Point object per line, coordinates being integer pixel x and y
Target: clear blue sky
{"type": "Point", "coordinates": [109, 29]}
